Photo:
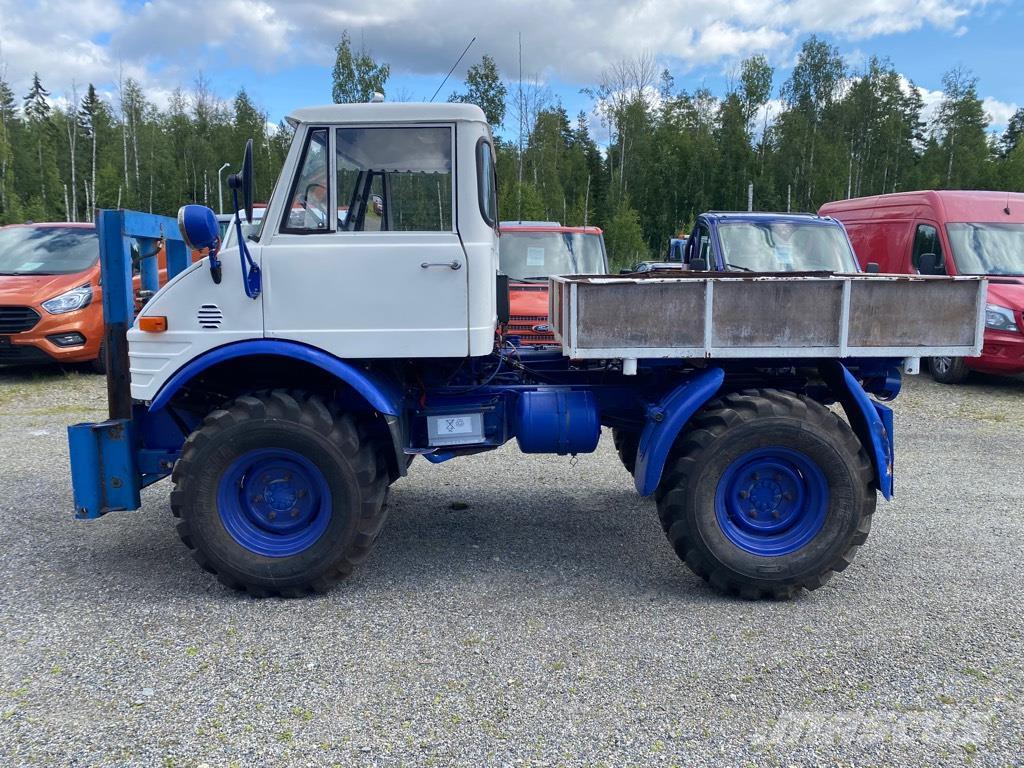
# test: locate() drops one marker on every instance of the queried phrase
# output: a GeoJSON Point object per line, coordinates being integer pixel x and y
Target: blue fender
{"type": "Point", "coordinates": [870, 420]}
{"type": "Point", "coordinates": [666, 421]}
{"type": "Point", "coordinates": [382, 395]}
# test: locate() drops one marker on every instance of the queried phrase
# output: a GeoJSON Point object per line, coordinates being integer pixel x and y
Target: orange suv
{"type": "Point", "coordinates": [50, 308]}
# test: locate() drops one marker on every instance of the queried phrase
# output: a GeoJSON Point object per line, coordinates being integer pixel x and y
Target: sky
{"type": "Point", "coordinates": [281, 51]}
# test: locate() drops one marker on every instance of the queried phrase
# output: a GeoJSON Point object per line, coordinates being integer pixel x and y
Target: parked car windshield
{"type": "Point", "coordinates": [785, 246]}
{"type": "Point", "coordinates": [987, 249]}
{"type": "Point", "coordinates": [538, 255]}
{"type": "Point", "coordinates": [247, 229]}
{"type": "Point", "coordinates": [47, 250]}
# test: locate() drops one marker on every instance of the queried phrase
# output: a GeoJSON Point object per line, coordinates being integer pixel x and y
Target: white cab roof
{"type": "Point", "coordinates": [395, 112]}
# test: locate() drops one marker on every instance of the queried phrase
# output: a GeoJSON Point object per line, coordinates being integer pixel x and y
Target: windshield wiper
{"type": "Point", "coordinates": [737, 266]}
{"type": "Point", "coordinates": [531, 279]}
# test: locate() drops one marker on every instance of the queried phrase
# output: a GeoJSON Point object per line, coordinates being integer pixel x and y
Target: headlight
{"type": "Point", "coordinates": [76, 298]}
{"type": "Point", "coordinates": [999, 318]}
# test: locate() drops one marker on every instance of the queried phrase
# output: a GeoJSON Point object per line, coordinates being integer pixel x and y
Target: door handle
{"type": "Point", "coordinates": [453, 264]}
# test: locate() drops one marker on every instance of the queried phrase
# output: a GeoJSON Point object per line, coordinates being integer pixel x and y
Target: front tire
{"type": "Point", "coordinates": [278, 495]}
{"type": "Point", "coordinates": [948, 370]}
{"type": "Point", "coordinates": [767, 494]}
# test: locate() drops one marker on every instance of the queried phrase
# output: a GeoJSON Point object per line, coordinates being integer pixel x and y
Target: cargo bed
{"type": "Point", "coordinates": [701, 314]}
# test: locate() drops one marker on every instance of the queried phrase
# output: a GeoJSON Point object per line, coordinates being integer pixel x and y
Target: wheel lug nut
{"type": "Point", "coordinates": [272, 515]}
{"type": "Point", "coordinates": [257, 499]}
{"type": "Point", "coordinates": [744, 495]}
{"type": "Point", "coordinates": [755, 477]}
{"type": "Point", "coordinates": [295, 513]}
{"type": "Point", "coordinates": [287, 477]}
{"type": "Point", "coordinates": [753, 514]}
{"type": "Point", "coordinates": [787, 496]}
{"type": "Point", "coordinates": [776, 514]}
{"type": "Point", "coordinates": [301, 493]}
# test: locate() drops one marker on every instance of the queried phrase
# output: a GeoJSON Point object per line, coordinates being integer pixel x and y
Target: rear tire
{"type": "Point", "coordinates": [767, 494]}
{"type": "Point", "coordinates": [948, 370]}
{"type": "Point", "coordinates": [278, 495]}
{"type": "Point", "coordinates": [626, 445]}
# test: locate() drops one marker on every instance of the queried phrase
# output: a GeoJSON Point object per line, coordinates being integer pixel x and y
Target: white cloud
{"type": "Point", "coordinates": [999, 112]}
{"type": "Point", "coordinates": [163, 43]}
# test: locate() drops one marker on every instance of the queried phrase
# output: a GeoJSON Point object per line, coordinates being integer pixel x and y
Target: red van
{"type": "Point", "coordinates": [951, 233]}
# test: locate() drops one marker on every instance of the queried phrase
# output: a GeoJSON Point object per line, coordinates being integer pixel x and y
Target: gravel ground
{"type": "Point", "coordinates": [518, 611]}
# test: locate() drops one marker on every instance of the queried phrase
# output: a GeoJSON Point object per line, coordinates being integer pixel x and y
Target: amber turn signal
{"type": "Point", "coordinates": [153, 324]}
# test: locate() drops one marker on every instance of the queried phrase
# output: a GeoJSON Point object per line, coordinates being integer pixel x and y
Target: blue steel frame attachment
{"type": "Point", "coordinates": [104, 457]}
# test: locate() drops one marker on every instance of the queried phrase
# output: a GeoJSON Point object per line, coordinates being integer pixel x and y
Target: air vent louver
{"type": "Point", "coordinates": [209, 316]}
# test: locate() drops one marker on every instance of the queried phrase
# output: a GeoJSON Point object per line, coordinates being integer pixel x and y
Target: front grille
{"type": "Point", "coordinates": [532, 319]}
{"type": "Point", "coordinates": [17, 319]}
{"type": "Point", "coordinates": [523, 327]}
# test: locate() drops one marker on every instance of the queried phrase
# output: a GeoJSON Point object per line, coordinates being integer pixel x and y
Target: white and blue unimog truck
{"type": "Point", "coordinates": [284, 384]}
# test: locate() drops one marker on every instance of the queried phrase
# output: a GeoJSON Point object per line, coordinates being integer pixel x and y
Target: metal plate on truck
{"type": "Point", "coordinates": [455, 429]}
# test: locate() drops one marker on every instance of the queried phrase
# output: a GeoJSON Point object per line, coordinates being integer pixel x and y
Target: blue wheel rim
{"type": "Point", "coordinates": [772, 501]}
{"type": "Point", "coordinates": [274, 502]}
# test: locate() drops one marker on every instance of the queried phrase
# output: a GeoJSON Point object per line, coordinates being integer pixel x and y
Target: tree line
{"type": "Point", "coordinates": [648, 159]}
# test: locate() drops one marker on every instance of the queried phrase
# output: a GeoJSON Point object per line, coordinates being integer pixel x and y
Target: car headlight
{"type": "Point", "coordinates": [76, 298]}
{"type": "Point", "coordinates": [999, 318]}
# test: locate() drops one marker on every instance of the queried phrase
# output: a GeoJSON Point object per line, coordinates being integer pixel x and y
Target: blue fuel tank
{"type": "Point", "coordinates": [558, 421]}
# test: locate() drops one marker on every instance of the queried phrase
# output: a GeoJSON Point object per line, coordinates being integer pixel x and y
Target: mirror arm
{"type": "Point", "coordinates": [251, 277]}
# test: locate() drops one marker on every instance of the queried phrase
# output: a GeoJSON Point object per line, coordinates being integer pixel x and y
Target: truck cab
{"type": "Point", "coordinates": [533, 251]}
{"type": "Point", "coordinates": [768, 243]}
{"type": "Point", "coordinates": [369, 247]}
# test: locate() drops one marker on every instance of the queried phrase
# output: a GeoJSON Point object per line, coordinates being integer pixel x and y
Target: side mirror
{"type": "Point", "coordinates": [199, 230]}
{"type": "Point", "coordinates": [871, 268]}
{"type": "Point", "coordinates": [625, 271]}
{"type": "Point", "coordinates": [699, 265]}
{"type": "Point", "coordinates": [198, 226]}
{"type": "Point", "coordinates": [930, 264]}
{"type": "Point", "coordinates": [242, 182]}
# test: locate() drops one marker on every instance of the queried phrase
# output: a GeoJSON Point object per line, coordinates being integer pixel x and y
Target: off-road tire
{"type": "Point", "coordinates": [338, 446]}
{"type": "Point", "coordinates": [729, 428]}
{"type": "Point", "coordinates": [948, 370]}
{"type": "Point", "coordinates": [626, 445]}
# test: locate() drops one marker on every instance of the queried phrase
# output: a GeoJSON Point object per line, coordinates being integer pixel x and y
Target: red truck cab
{"type": "Point", "coordinates": [532, 251]}
{"type": "Point", "coordinates": [951, 233]}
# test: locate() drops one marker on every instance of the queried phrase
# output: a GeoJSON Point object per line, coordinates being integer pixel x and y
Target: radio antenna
{"type": "Point", "coordinates": [452, 69]}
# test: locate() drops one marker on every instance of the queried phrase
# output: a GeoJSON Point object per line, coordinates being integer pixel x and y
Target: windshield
{"type": "Point", "coordinates": [247, 229]}
{"type": "Point", "coordinates": [987, 249]}
{"type": "Point", "coordinates": [47, 250]}
{"type": "Point", "coordinates": [785, 246]}
{"type": "Point", "coordinates": [538, 255]}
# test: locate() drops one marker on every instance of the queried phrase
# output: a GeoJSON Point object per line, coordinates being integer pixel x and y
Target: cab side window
{"type": "Point", "coordinates": [309, 207]}
{"type": "Point", "coordinates": [395, 179]}
{"type": "Point", "coordinates": [926, 240]}
{"type": "Point", "coordinates": [702, 247]}
{"type": "Point", "coordinates": [486, 182]}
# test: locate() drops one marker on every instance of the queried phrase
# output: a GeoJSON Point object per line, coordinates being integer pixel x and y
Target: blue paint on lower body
{"type": "Point", "coordinates": [274, 502]}
{"type": "Point", "coordinates": [772, 501]}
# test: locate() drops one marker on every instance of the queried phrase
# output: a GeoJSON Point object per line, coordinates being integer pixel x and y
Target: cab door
{"type": "Point", "coordinates": [364, 260]}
